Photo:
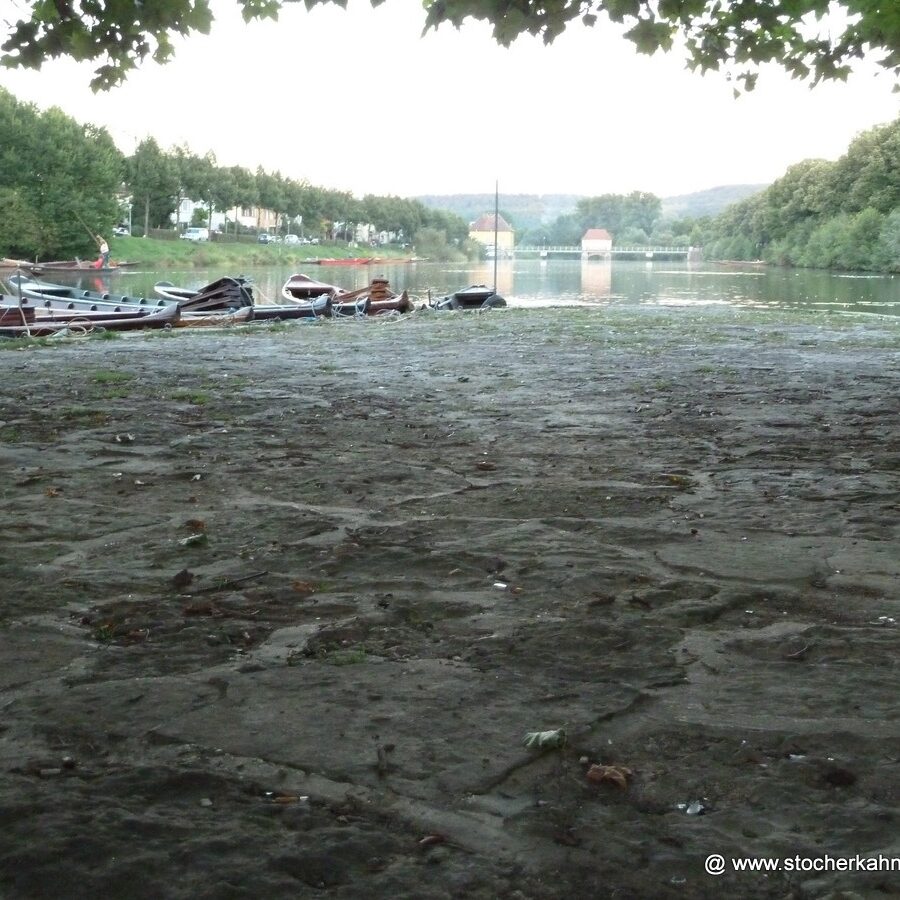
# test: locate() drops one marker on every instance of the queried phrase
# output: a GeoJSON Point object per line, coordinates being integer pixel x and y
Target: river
{"type": "Point", "coordinates": [535, 283]}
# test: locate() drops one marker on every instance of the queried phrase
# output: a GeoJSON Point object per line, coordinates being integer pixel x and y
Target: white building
{"type": "Point", "coordinates": [596, 242]}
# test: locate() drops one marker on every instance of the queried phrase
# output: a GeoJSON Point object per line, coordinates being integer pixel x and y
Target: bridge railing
{"type": "Point", "coordinates": [564, 249]}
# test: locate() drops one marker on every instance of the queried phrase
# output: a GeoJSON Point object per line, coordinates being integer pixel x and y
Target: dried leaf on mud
{"type": "Point", "coordinates": [617, 775]}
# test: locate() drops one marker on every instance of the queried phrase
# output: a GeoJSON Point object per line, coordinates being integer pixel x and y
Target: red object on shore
{"type": "Point", "coordinates": [353, 261]}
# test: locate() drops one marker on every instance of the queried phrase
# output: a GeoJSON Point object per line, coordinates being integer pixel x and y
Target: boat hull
{"type": "Point", "coordinates": [220, 295]}
{"type": "Point", "coordinates": [477, 296]}
{"type": "Point", "coordinates": [44, 323]}
{"type": "Point", "coordinates": [321, 306]}
{"type": "Point", "coordinates": [214, 318]}
{"type": "Point", "coordinates": [300, 287]}
{"type": "Point", "coordinates": [53, 295]}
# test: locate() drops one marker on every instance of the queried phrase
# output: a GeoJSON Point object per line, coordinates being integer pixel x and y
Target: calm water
{"type": "Point", "coordinates": [533, 283]}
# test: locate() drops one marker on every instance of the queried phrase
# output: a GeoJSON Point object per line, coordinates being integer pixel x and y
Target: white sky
{"type": "Point", "coordinates": [359, 100]}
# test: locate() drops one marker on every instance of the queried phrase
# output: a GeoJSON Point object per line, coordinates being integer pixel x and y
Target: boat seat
{"type": "Point", "coordinates": [85, 293]}
{"type": "Point", "coordinates": [104, 296]}
{"type": "Point", "coordinates": [70, 306]}
{"type": "Point", "coordinates": [93, 307]}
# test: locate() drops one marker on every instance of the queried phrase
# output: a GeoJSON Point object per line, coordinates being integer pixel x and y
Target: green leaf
{"type": "Point", "coordinates": [649, 36]}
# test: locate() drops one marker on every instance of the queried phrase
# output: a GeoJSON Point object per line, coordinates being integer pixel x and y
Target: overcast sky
{"type": "Point", "coordinates": [359, 100]}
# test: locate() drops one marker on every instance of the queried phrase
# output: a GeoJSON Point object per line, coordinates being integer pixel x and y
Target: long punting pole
{"type": "Point", "coordinates": [496, 217]}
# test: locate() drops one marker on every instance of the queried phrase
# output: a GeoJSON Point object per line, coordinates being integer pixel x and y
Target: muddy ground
{"type": "Point", "coordinates": [280, 605]}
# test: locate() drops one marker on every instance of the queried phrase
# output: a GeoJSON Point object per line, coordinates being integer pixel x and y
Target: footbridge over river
{"type": "Point", "coordinates": [686, 253]}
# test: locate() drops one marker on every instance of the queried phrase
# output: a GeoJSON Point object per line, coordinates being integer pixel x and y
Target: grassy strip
{"type": "Point", "coordinates": [185, 254]}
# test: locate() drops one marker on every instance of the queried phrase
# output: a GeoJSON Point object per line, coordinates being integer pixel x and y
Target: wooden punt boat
{"type": "Point", "coordinates": [303, 288]}
{"type": "Point", "coordinates": [375, 299]}
{"type": "Point", "coordinates": [477, 296]}
{"type": "Point", "coordinates": [43, 291]}
{"type": "Point", "coordinates": [311, 309]}
{"type": "Point", "coordinates": [221, 294]}
{"type": "Point", "coordinates": [344, 308]}
{"type": "Point", "coordinates": [214, 318]}
{"type": "Point", "coordinates": [26, 321]}
{"type": "Point", "coordinates": [79, 265]}
{"type": "Point", "coordinates": [87, 305]}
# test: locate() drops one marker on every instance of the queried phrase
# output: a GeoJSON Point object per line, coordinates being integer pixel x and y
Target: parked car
{"type": "Point", "coordinates": [121, 231]}
{"type": "Point", "coordinates": [292, 239]}
{"type": "Point", "coordinates": [265, 238]}
{"type": "Point", "coordinates": [195, 234]}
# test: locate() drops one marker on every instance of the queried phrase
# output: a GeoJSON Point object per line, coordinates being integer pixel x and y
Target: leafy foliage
{"type": "Point", "coordinates": [60, 179]}
{"type": "Point", "coordinates": [738, 36]}
{"type": "Point", "coordinates": [153, 180]}
{"type": "Point", "coordinates": [823, 214]}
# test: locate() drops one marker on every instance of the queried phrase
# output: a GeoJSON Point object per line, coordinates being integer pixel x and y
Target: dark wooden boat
{"type": "Point", "coordinates": [44, 291]}
{"type": "Point", "coordinates": [320, 306]}
{"type": "Point", "coordinates": [302, 287]}
{"type": "Point", "coordinates": [221, 294]}
{"type": "Point", "coordinates": [477, 296]}
{"type": "Point", "coordinates": [26, 321]}
{"type": "Point", "coordinates": [212, 318]}
{"type": "Point", "coordinates": [358, 307]}
{"type": "Point", "coordinates": [401, 303]}
{"type": "Point", "coordinates": [375, 299]}
{"type": "Point", "coordinates": [78, 265]}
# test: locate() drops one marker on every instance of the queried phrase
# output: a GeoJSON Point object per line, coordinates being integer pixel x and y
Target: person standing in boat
{"type": "Point", "coordinates": [103, 262]}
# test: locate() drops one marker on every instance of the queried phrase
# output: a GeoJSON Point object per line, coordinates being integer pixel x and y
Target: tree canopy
{"type": "Point", "coordinates": [58, 181]}
{"type": "Point", "coordinates": [736, 36]}
{"type": "Point", "coordinates": [843, 214]}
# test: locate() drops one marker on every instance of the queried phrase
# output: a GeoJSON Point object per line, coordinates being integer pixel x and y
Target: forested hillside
{"type": "Point", "coordinates": [710, 202]}
{"type": "Point", "coordinates": [523, 211]}
{"type": "Point", "coordinates": [533, 212]}
{"type": "Point", "coordinates": [821, 214]}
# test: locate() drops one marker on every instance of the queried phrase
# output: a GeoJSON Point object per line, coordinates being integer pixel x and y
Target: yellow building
{"type": "Point", "coordinates": [482, 231]}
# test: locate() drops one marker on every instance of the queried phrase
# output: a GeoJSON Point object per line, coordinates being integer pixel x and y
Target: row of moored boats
{"type": "Point", "coordinates": [38, 308]}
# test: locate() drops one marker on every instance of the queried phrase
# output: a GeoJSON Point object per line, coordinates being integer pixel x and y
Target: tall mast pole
{"type": "Point", "coordinates": [496, 228]}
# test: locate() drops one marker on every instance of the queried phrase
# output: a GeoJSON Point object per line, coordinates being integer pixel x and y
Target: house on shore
{"type": "Point", "coordinates": [596, 242]}
{"type": "Point", "coordinates": [251, 217]}
{"type": "Point", "coordinates": [482, 231]}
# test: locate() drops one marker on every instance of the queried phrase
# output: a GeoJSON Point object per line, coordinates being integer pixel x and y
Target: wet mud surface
{"type": "Point", "coordinates": [280, 605]}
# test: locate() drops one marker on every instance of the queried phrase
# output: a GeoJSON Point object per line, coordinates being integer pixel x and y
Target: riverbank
{"type": "Point", "coordinates": [154, 253]}
{"type": "Point", "coordinates": [282, 603]}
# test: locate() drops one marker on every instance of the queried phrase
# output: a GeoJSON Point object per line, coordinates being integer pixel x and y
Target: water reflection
{"type": "Point", "coordinates": [596, 279]}
{"type": "Point", "coordinates": [532, 283]}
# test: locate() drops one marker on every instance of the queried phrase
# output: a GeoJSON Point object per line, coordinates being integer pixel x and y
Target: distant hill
{"type": "Point", "coordinates": [709, 202]}
{"type": "Point", "coordinates": [525, 211]}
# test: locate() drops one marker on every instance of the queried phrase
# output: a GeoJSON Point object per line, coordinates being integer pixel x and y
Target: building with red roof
{"type": "Point", "coordinates": [596, 242]}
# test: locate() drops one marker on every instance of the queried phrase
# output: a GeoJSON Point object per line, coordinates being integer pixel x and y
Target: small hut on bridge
{"type": "Point", "coordinates": [596, 242]}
